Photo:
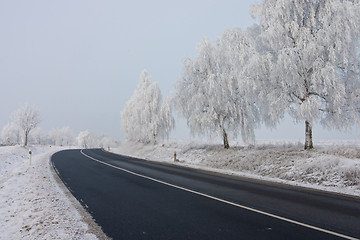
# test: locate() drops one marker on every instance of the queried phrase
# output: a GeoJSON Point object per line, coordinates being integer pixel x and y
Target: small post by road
{"type": "Point", "coordinates": [29, 157]}
{"type": "Point", "coordinates": [175, 160]}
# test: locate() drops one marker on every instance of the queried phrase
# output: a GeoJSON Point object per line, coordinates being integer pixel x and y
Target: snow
{"type": "Point", "coordinates": [331, 166]}
{"type": "Point", "coordinates": [33, 204]}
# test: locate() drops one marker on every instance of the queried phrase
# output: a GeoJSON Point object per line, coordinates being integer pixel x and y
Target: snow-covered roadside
{"type": "Point", "coordinates": [333, 167]}
{"type": "Point", "coordinates": [33, 205]}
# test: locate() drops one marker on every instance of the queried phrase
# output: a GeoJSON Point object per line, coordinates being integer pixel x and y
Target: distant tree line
{"type": "Point", "coordinates": [23, 129]}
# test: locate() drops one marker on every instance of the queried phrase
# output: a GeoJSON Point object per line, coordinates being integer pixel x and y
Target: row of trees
{"type": "Point", "coordinates": [23, 128]}
{"type": "Point", "coordinates": [302, 59]}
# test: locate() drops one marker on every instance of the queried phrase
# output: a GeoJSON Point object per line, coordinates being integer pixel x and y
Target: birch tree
{"type": "Point", "coordinates": [198, 92]}
{"type": "Point", "coordinates": [146, 118]}
{"type": "Point", "coordinates": [26, 118]}
{"type": "Point", "coordinates": [313, 47]}
{"type": "Point", "coordinates": [235, 52]}
{"type": "Point", "coordinates": [215, 93]}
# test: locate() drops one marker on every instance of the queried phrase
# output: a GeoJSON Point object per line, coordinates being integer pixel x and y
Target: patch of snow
{"type": "Point", "coordinates": [32, 203]}
{"type": "Point", "coordinates": [331, 166]}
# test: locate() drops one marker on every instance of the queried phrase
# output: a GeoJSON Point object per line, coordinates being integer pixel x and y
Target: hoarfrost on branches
{"type": "Point", "coordinates": [84, 139]}
{"type": "Point", "coordinates": [215, 94]}
{"type": "Point", "coordinates": [146, 118]}
{"type": "Point", "coordinates": [26, 118]}
{"type": "Point", "coordinates": [313, 50]}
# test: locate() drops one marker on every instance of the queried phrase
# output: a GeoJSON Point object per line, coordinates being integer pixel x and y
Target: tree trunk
{"type": "Point", "coordinates": [26, 140]}
{"type": "Point", "coordinates": [226, 141]}
{"type": "Point", "coordinates": [308, 136]}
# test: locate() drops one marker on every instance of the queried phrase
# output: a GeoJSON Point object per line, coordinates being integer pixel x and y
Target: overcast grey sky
{"type": "Point", "coordinates": [79, 61]}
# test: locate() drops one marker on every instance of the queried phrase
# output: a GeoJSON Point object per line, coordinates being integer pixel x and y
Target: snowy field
{"type": "Point", "coordinates": [331, 166]}
{"type": "Point", "coordinates": [33, 205]}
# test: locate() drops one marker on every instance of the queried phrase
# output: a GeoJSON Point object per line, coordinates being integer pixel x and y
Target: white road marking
{"type": "Point", "coordinates": [225, 201]}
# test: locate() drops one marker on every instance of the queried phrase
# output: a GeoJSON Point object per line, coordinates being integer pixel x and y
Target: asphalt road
{"type": "Point", "coordinates": [136, 199]}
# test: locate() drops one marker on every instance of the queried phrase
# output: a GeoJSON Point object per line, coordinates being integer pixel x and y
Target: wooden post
{"type": "Point", "coordinates": [29, 157]}
{"type": "Point", "coordinates": [175, 157]}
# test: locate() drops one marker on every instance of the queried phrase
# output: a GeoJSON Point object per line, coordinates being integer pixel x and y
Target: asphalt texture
{"type": "Point", "coordinates": [128, 206]}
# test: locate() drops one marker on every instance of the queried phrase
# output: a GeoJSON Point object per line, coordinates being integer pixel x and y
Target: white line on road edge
{"type": "Point", "coordinates": [225, 201]}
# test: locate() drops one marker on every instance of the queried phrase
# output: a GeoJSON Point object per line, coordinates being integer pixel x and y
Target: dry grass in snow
{"type": "Point", "coordinates": [329, 167]}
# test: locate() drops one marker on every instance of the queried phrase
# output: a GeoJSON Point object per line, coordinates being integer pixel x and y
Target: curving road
{"type": "Point", "coordinates": [136, 199]}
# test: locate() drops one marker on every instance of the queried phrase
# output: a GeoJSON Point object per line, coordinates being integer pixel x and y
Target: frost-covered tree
{"type": "Point", "coordinates": [27, 118]}
{"type": "Point", "coordinates": [10, 134]}
{"type": "Point", "coordinates": [38, 136]}
{"type": "Point", "coordinates": [106, 142]}
{"type": "Point", "coordinates": [165, 118]}
{"type": "Point", "coordinates": [146, 118]}
{"type": "Point", "coordinates": [235, 51]}
{"type": "Point", "coordinates": [62, 136]}
{"type": "Point", "coordinates": [313, 50]}
{"type": "Point", "coordinates": [215, 94]}
{"type": "Point", "coordinates": [84, 139]}
{"type": "Point", "coordinates": [68, 138]}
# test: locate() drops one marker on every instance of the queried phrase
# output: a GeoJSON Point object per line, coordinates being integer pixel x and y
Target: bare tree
{"type": "Point", "coordinates": [27, 118]}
